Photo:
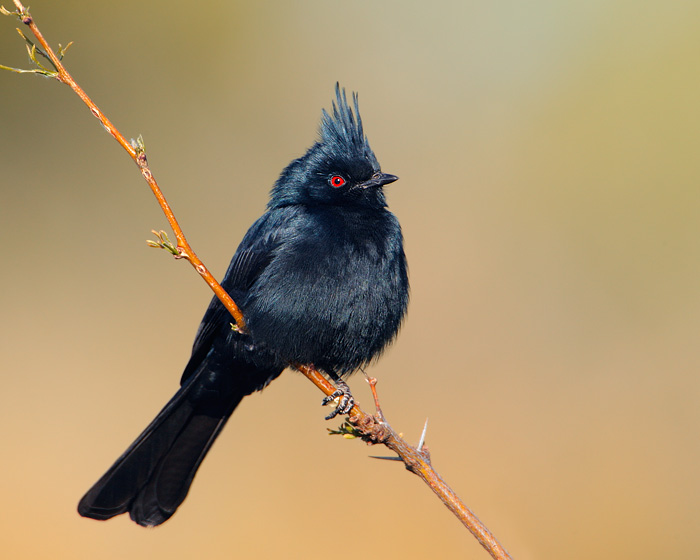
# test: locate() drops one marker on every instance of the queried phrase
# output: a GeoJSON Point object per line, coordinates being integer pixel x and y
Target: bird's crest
{"type": "Point", "coordinates": [342, 131]}
{"type": "Point", "coordinates": [342, 144]}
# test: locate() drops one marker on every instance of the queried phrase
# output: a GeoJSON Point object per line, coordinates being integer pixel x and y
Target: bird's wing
{"type": "Point", "coordinates": [254, 254]}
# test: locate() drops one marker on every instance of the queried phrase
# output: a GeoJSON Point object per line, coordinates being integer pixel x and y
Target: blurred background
{"type": "Point", "coordinates": [548, 155]}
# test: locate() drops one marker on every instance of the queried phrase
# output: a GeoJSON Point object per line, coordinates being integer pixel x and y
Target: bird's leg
{"type": "Point", "coordinates": [342, 391]}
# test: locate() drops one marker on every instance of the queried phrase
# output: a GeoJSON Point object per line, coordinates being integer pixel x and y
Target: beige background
{"type": "Point", "coordinates": [548, 155]}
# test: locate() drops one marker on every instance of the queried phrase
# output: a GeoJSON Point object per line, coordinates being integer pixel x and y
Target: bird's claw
{"type": "Point", "coordinates": [345, 403]}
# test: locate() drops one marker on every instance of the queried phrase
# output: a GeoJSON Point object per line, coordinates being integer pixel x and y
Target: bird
{"type": "Point", "coordinates": [321, 278]}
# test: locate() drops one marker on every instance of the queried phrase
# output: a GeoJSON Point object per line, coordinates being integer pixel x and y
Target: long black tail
{"type": "Point", "coordinates": [152, 478]}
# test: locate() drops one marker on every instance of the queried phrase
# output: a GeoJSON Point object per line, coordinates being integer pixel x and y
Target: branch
{"type": "Point", "coordinates": [135, 149]}
{"type": "Point", "coordinates": [372, 429]}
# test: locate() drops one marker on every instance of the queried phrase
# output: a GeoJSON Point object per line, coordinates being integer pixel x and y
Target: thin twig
{"type": "Point", "coordinates": [137, 153]}
{"type": "Point", "coordinates": [373, 387]}
{"type": "Point", "coordinates": [373, 429]}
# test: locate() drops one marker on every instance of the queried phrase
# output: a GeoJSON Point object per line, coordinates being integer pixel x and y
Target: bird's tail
{"type": "Point", "coordinates": [152, 478]}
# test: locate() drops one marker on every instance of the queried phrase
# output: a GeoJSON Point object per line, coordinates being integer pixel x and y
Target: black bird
{"type": "Point", "coordinates": [321, 279]}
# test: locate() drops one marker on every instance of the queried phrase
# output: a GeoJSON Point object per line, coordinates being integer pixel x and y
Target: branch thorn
{"type": "Point", "coordinates": [386, 458]}
{"type": "Point", "coordinates": [422, 436]}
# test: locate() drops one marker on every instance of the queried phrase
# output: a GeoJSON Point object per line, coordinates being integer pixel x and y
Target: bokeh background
{"type": "Point", "coordinates": [548, 155]}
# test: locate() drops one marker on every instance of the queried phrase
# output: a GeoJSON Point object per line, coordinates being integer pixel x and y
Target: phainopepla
{"type": "Point", "coordinates": [321, 279]}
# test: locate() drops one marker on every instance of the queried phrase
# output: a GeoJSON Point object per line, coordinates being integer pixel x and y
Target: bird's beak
{"type": "Point", "coordinates": [379, 180]}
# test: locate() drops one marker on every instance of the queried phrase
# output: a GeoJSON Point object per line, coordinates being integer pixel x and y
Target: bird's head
{"type": "Point", "coordinates": [339, 169]}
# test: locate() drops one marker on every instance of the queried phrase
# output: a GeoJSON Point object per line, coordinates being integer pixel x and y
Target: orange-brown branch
{"type": "Point", "coordinates": [374, 429]}
{"type": "Point", "coordinates": [138, 155]}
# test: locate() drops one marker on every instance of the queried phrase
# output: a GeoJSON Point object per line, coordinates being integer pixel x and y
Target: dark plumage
{"type": "Point", "coordinates": [321, 279]}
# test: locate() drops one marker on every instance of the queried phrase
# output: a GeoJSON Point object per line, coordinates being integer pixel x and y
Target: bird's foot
{"type": "Point", "coordinates": [346, 400]}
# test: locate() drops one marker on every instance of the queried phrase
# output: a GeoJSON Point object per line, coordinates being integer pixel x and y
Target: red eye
{"type": "Point", "coordinates": [337, 181]}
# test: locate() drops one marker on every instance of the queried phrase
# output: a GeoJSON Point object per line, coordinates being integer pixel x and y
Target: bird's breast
{"type": "Point", "coordinates": [334, 295]}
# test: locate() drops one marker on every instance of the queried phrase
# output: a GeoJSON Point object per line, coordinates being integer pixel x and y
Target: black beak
{"type": "Point", "coordinates": [379, 180]}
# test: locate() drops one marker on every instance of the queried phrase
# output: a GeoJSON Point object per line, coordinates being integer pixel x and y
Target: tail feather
{"type": "Point", "coordinates": [152, 478]}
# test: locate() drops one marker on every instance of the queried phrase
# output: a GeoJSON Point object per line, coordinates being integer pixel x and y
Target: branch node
{"type": "Point", "coordinates": [22, 13]}
{"type": "Point", "coordinates": [412, 464]}
{"type": "Point", "coordinates": [372, 428]}
{"type": "Point", "coordinates": [425, 453]}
